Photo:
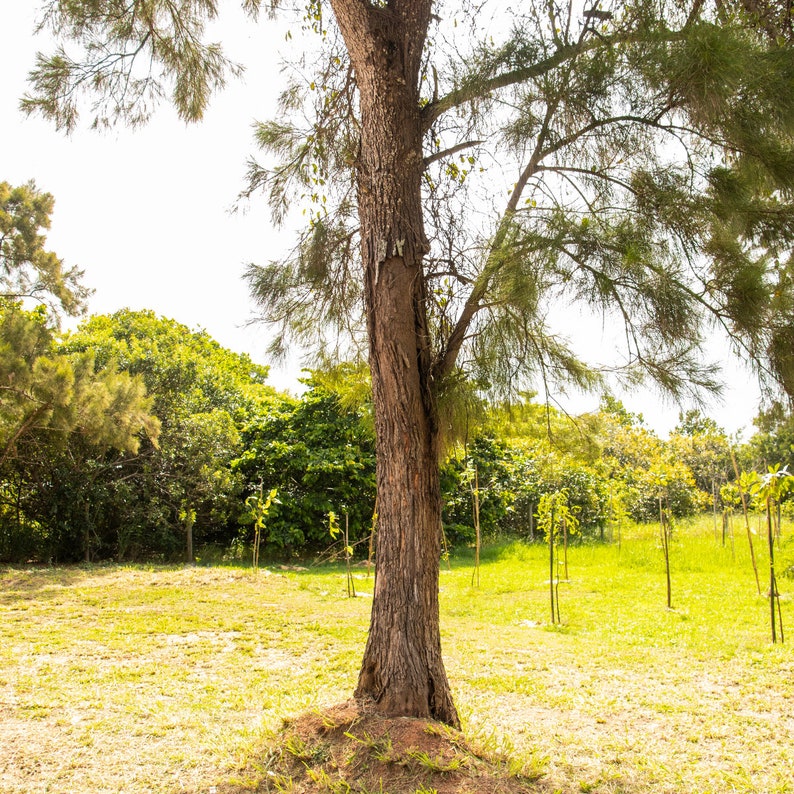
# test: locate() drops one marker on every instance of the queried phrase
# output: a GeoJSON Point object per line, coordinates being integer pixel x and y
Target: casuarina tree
{"type": "Point", "coordinates": [476, 176]}
{"type": "Point", "coordinates": [28, 272]}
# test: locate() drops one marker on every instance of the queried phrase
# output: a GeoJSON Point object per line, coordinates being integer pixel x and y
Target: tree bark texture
{"type": "Point", "coordinates": [402, 672]}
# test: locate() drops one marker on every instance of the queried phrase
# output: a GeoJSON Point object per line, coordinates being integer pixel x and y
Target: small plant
{"type": "Point", "coordinates": [282, 783]}
{"type": "Point", "coordinates": [335, 530]}
{"type": "Point", "coordinates": [475, 498]}
{"type": "Point", "coordinates": [660, 475]}
{"type": "Point", "coordinates": [380, 749]}
{"type": "Point", "coordinates": [499, 751]}
{"type": "Point", "coordinates": [258, 508]}
{"type": "Point", "coordinates": [296, 747]}
{"type": "Point", "coordinates": [470, 476]}
{"type": "Point", "coordinates": [440, 729]}
{"type": "Point", "coordinates": [617, 511]}
{"type": "Point", "coordinates": [666, 529]}
{"type": "Point", "coordinates": [328, 722]}
{"type": "Point", "coordinates": [731, 500]}
{"type": "Point", "coordinates": [324, 782]}
{"type": "Point", "coordinates": [187, 515]}
{"type": "Point", "coordinates": [438, 764]}
{"type": "Point", "coordinates": [744, 482]}
{"type": "Point", "coordinates": [373, 530]}
{"type": "Point", "coordinates": [556, 520]}
{"type": "Point", "coordinates": [771, 488]}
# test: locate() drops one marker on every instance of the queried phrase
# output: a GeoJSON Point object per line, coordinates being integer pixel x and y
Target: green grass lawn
{"type": "Point", "coordinates": [171, 679]}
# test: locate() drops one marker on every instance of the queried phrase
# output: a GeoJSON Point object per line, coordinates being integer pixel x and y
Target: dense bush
{"type": "Point", "coordinates": [97, 469]}
{"type": "Point", "coordinates": [512, 478]}
{"type": "Point", "coordinates": [66, 421]}
{"type": "Point", "coordinates": [74, 498]}
{"type": "Point", "coordinates": [321, 458]}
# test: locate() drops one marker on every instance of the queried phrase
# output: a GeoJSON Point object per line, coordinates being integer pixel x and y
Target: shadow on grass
{"type": "Point", "coordinates": [46, 581]}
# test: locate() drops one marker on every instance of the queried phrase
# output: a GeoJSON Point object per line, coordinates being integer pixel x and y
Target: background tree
{"type": "Point", "coordinates": [204, 397]}
{"type": "Point", "coordinates": [199, 483]}
{"type": "Point", "coordinates": [60, 416]}
{"type": "Point", "coordinates": [320, 456]}
{"type": "Point", "coordinates": [773, 442]}
{"type": "Point", "coordinates": [636, 458]}
{"type": "Point", "coordinates": [704, 448]}
{"type": "Point", "coordinates": [60, 413]}
{"type": "Point", "coordinates": [646, 158]}
{"type": "Point", "coordinates": [494, 464]}
{"type": "Point", "coordinates": [27, 269]}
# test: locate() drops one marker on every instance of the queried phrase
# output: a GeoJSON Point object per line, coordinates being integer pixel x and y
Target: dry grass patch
{"type": "Point", "coordinates": [153, 680]}
{"type": "Point", "coordinates": [177, 680]}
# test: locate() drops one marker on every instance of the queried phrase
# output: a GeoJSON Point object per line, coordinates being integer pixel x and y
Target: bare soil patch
{"type": "Point", "coordinates": [347, 748]}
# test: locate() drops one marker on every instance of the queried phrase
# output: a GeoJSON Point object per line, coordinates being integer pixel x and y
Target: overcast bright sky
{"type": "Point", "coordinates": [146, 213]}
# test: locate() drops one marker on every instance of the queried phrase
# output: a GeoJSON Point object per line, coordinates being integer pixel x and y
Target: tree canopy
{"type": "Point", "coordinates": [61, 414]}
{"type": "Point", "coordinates": [204, 397]}
{"type": "Point", "coordinates": [643, 150]}
{"type": "Point", "coordinates": [27, 269]}
{"type": "Point", "coordinates": [643, 154]}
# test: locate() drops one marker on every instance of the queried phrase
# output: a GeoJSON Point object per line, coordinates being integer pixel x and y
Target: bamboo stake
{"type": "Point", "coordinates": [772, 582]}
{"type": "Point", "coordinates": [475, 576]}
{"type": "Point", "coordinates": [351, 585]}
{"type": "Point", "coordinates": [371, 551]}
{"type": "Point", "coordinates": [564, 557]}
{"type": "Point", "coordinates": [551, 567]}
{"type": "Point", "coordinates": [746, 521]}
{"type": "Point", "coordinates": [666, 548]}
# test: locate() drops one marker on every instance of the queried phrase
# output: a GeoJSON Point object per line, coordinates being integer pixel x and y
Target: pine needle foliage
{"type": "Point", "coordinates": [645, 152]}
{"type": "Point", "coordinates": [27, 270]}
{"type": "Point", "coordinates": [651, 156]}
{"type": "Point", "coordinates": [129, 57]}
{"type": "Point", "coordinates": [48, 398]}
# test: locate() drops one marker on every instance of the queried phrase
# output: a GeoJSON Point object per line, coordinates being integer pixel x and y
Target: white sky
{"type": "Point", "coordinates": [146, 213]}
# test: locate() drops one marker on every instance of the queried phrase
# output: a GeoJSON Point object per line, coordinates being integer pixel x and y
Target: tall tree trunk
{"type": "Point", "coordinates": [402, 672]}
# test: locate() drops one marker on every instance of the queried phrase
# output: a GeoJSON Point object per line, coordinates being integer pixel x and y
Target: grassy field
{"type": "Point", "coordinates": [157, 679]}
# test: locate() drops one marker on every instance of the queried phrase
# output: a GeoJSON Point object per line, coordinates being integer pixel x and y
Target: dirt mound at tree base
{"type": "Point", "coordinates": [346, 749]}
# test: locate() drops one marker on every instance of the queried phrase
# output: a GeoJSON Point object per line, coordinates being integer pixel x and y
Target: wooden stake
{"type": "Point", "coordinates": [475, 576]}
{"type": "Point", "coordinates": [746, 521]}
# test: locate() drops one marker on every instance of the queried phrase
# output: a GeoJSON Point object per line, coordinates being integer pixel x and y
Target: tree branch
{"type": "Point", "coordinates": [563, 54]}
{"type": "Point", "coordinates": [449, 152]}
{"type": "Point", "coordinates": [446, 359]}
{"type": "Point", "coordinates": [26, 424]}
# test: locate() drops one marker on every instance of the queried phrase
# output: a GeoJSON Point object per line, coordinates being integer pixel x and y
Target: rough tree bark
{"type": "Point", "coordinates": [402, 672]}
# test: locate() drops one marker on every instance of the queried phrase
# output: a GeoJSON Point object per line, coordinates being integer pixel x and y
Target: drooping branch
{"type": "Point", "coordinates": [23, 428]}
{"type": "Point", "coordinates": [114, 39]}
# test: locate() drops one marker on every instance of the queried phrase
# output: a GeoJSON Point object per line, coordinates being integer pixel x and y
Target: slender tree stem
{"type": "Point", "coordinates": [551, 568]}
{"type": "Point", "coordinates": [475, 576]}
{"type": "Point", "coordinates": [772, 582]}
{"type": "Point", "coordinates": [746, 521]}
{"type": "Point", "coordinates": [666, 549]}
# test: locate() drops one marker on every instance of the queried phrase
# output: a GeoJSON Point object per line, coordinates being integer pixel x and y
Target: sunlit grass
{"type": "Point", "coordinates": [167, 679]}
{"type": "Point", "coordinates": [689, 694]}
